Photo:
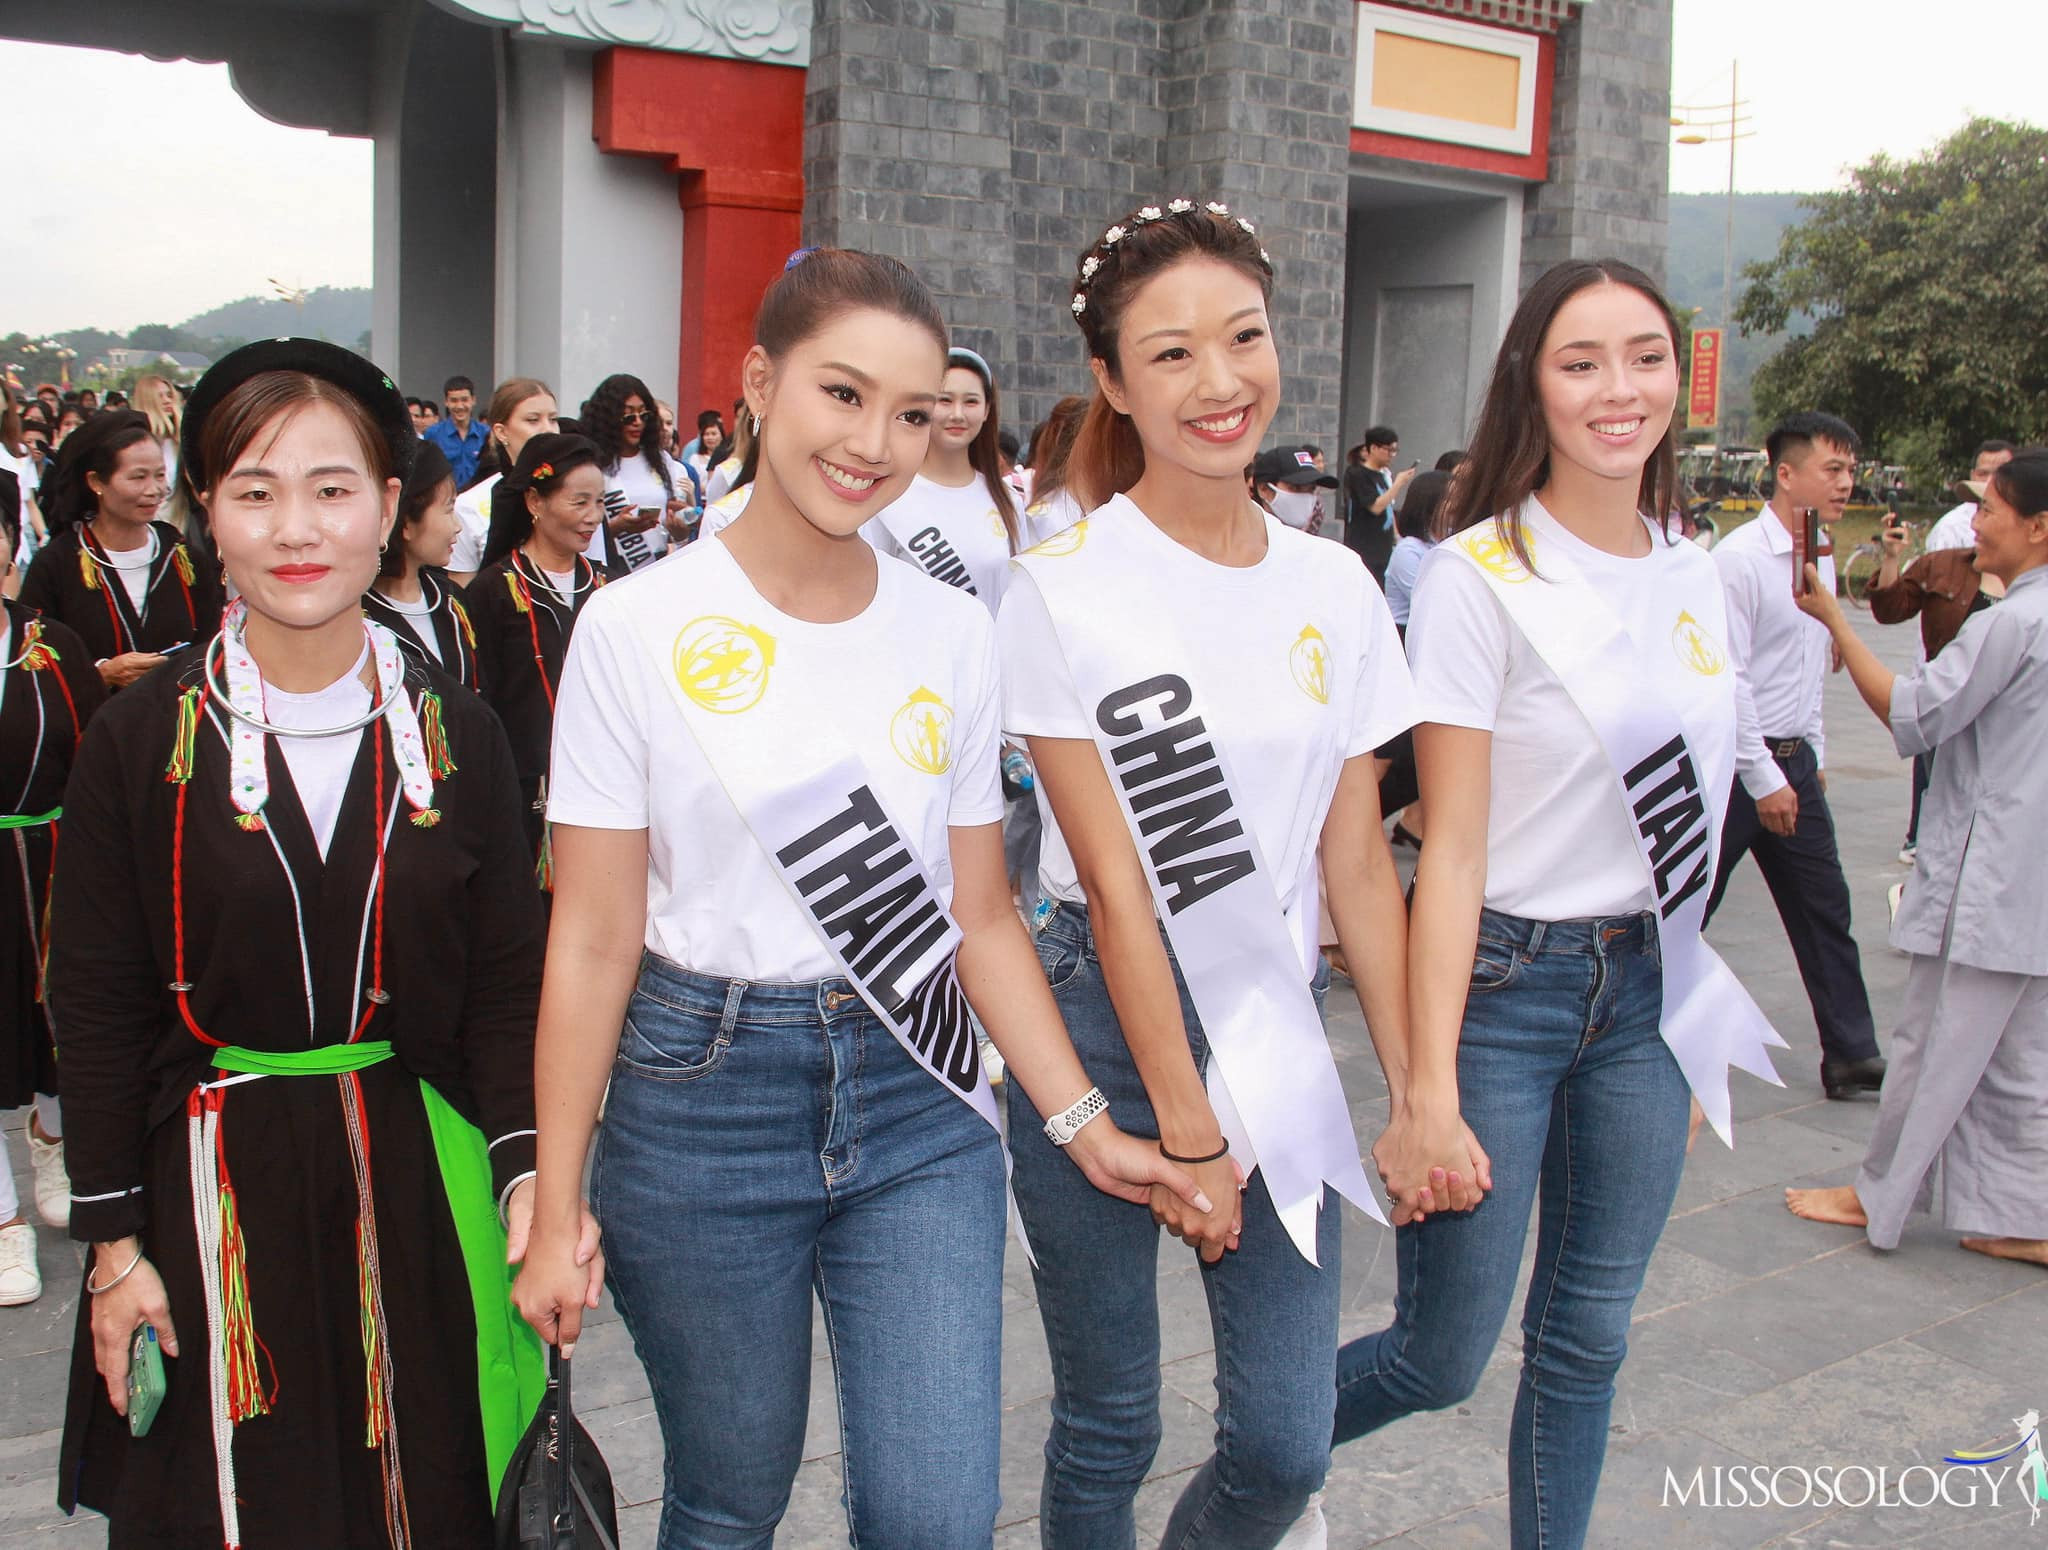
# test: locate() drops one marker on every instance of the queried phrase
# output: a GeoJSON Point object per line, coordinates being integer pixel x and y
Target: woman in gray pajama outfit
{"type": "Point", "coordinates": [1963, 1126]}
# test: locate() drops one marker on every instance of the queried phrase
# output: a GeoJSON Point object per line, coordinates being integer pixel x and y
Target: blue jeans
{"type": "Point", "coordinates": [1274, 1315]}
{"type": "Point", "coordinates": [763, 1141]}
{"type": "Point", "coordinates": [1569, 1087]}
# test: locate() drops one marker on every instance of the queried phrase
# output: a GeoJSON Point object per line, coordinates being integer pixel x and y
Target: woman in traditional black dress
{"type": "Point", "coordinates": [296, 964]}
{"type": "Point", "coordinates": [525, 601]}
{"type": "Point", "coordinates": [48, 691]}
{"type": "Point", "coordinates": [412, 596]}
{"type": "Point", "coordinates": [126, 582]}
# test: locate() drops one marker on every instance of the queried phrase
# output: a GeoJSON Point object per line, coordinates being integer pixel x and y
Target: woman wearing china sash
{"type": "Point", "coordinates": [1194, 673]}
{"type": "Point", "coordinates": [293, 960]}
{"type": "Point", "coordinates": [526, 600]}
{"type": "Point", "coordinates": [775, 768]}
{"type": "Point", "coordinates": [1577, 735]}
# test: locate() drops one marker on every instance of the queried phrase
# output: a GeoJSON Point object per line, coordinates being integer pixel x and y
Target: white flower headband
{"type": "Point", "coordinates": [1105, 246]}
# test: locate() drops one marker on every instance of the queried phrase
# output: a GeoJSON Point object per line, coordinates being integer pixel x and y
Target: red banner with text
{"type": "Point", "coordinates": [1704, 402]}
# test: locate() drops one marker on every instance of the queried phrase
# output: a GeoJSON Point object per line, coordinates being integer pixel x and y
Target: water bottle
{"type": "Point", "coordinates": [1017, 769]}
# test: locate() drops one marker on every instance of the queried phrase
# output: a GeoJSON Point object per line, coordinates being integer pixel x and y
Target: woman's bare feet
{"type": "Point", "coordinates": [2033, 1251]}
{"type": "Point", "coordinates": [1838, 1205]}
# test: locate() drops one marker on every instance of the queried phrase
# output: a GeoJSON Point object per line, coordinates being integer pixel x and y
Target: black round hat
{"type": "Point", "coordinates": [360, 379]}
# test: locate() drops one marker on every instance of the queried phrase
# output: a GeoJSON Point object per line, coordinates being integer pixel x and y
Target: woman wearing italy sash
{"type": "Point", "coordinates": [775, 767]}
{"type": "Point", "coordinates": [1577, 738]}
{"type": "Point", "coordinates": [294, 962]}
{"type": "Point", "coordinates": [1202, 687]}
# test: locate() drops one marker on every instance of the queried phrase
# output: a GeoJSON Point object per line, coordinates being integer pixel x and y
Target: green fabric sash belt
{"type": "Point", "coordinates": [511, 1365]}
{"type": "Point", "coordinates": [30, 820]}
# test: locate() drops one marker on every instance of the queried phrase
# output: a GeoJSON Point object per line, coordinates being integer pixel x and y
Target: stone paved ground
{"type": "Point", "coordinates": [1759, 1339]}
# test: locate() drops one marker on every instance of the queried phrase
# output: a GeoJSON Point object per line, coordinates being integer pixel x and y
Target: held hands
{"type": "Point", "coordinates": [1208, 1232]}
{"type": "Point", "coordinates": [1430, 1161]}
{"type": "Point", "coordinates": [1183, 1199]}
{"type": "Point", "coordinates": [559, 1274]}
{"type": "Point", "coordinates": [121, 1310]}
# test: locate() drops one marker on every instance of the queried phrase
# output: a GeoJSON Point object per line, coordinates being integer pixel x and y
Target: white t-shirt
{"type": "Point", "coordinates": [473, 511]}
{"type": "Point", "coordinates": [719, 515]}
{"type": "Point", "coordinates": [1048, 518]}
{"type": "Point", "coordinates": [419, 618]}
{"type": "Point", "coordinates": [320, 766]}
{"type": "Point", "coordinates": [1243, 676]}
{"type": "Point", "coordinates": [1559, 845]}
{"type": "Point", "coordinates": [720, 478]}
{"type": "Point", "coordinates": [1953, 529]}
{"type": "Point", "coordinates": [133, 566]}
{"type": "Point", "coordinates": [641, 486]}
{"type": "Point", "coordinates": [954, 535]}
{"type": "Point", "coordinates": [624, 758]}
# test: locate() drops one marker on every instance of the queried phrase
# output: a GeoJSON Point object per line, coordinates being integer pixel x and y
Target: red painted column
{"type": "Point", "coordinates": [734, 132]}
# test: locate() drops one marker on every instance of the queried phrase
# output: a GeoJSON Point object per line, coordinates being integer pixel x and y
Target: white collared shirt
{"type": "Point", "coordinates": [1954, 530]}
{"type": "Point", "coordinates": [1781, 657]}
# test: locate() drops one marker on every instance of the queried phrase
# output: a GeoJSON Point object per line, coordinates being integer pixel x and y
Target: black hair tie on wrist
{"type": "Point", "coordinates": [1189, 1162]}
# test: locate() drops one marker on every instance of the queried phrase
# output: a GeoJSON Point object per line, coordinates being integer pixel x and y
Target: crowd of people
{"type": "Point", "coordinates": [506, 857]}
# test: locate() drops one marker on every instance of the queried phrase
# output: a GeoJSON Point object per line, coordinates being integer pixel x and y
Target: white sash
{"type": "Point", "coordinates": [1658, 756]}
{"type": "Point", "coordinates": [1272, 1081]}
{"type": "Point", "coordinates": [855, 875]}
{"type": "Point", "coordinates": [927, 545]}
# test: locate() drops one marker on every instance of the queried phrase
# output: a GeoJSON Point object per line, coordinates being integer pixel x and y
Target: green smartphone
{"type": "Point", "coordinates": [145, 1380]}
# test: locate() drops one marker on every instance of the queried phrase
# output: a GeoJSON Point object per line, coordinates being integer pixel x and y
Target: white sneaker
{"type": "Point", "coordinates": [53, 1181]}
{"type": "Point", "coordinates": [1907, 853]}
{"type": "Point", "coordinates": [1311, 1530]}
{"type": "Point", "coordinates": [1892, 895]}
{"type": "Point", "coordinates": [20, 1280]}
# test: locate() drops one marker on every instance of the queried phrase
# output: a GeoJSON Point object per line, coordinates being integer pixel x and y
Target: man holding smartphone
{"type": "Point", "coordinates": [1371, 491]}
{"type": "Point", "coordinates": [1779, 808]}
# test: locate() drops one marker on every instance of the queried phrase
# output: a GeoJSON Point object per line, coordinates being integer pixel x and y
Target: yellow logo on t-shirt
{"type": "Point", "coordinates": [1696, 648]}
{"type": "Point", "coordinates": [1066, 541]}
{"type": "Point", "coordinates": [995, 524]}
{"type": "Point", "coordinates": [1489, 546]}
{"type": "Point", "coordinates": [722, 664]}
{"type": "Point", "coordinates": [921, 732]}
{"type": "Point", "coordinates": [1309, 661]}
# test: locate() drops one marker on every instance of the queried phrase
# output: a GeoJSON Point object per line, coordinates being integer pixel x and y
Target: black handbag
{"type": "Point", "coordinates": [557, 1493]}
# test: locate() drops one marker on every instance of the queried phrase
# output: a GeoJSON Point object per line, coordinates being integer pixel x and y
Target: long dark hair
{"type": "Point", "coordinates": [603, 424]}
{"type": "Point", "coordinates": [1107, 457]}
{"type": "Point", "coordinates": [430, 470]}
{"type": "Point", "coordinates": [94, 448]}
{"type": "Point", "coordinates": [1509, 459]}
{"type": "Point", "coordinates": [984, 453]}
{"type": "Point", "coordinates": [543, 462]}
{"type": "Point", "coordinates": [1052, 444]}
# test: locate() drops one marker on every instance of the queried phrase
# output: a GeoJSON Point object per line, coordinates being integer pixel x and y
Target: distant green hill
{"type": "Point", "coordinates": [1699, 225]}
{"type": "Point", "coordinates": [341, 315]}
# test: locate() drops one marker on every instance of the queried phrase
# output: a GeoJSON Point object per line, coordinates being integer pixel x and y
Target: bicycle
{"type": "Point", "coordinates": [1859, 571]}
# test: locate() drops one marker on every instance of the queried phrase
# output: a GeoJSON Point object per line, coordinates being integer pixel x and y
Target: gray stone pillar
{"type": "Point", "coordinates": [1610, 142]}
{"type": "Point", "coordinates": [1259, 115]}
{"type": "Point", "coordinates": [907, 151]}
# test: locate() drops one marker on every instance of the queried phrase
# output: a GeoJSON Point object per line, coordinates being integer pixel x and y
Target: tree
{"type": "Point", "coordinates": [1927, 284]}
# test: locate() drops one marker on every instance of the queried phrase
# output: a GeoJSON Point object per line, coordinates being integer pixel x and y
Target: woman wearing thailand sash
{"type": "Point", "coordinates": [775, 766]}
{"type": "Point", "coordinates": [1577, 735]}
{"type": "Point", "coordinates": [294, 962]}
{"type": "Point", "coordinates": [412, 596]}
{"type": "Point", "coordinates": [48, 691]}
{"type": "Point", "coordinates": [125, 581]}
{"type": "Point", "coordinates": [526, 600]}
{"type": "Point", "coordinates": [1963, 1124]}
{"type": "Point", "coordinates": [521, 408]}
{"type": "Point", "coordinates": [957, 522]}
{"type": "Point", "coordinates": [1235, 676]}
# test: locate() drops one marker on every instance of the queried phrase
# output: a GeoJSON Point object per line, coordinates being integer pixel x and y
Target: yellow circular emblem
{"type": "Point", "coordinates": [1489, 546]}
{"type": "Point", "coordinates": [921, 732]}
{"type": "Point", "coordinates": [995, 524]}
{"type": "Point", "coordinates": [722, 664]}
{"type": "Point", "coordinates": [1309, 661]}
{"type": "Point", "coordinates": [1696, 648]}
{"type": "Point", "coordinates": [1065, 541]}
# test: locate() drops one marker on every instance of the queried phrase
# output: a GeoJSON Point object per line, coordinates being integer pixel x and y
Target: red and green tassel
{"type": "Point", "coordinates": [462, 618]}
{"type": "Point", "coordinates": [88, 570]}
{"type": "Point", "coordinates": [434, 736]}
{"type": "Point", "coordinates": [518, 593]}
{"type": "Point", "coordinates": [179, 770]}
{"type": "Point", "coordinates": [183, 561]}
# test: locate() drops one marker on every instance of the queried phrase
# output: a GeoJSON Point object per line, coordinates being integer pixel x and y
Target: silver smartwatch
{"type": "Point", "coordinates": [1065, 1125]}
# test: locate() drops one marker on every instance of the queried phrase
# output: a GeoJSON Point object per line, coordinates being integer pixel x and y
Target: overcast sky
{"type": "Point", "coordinates": [125, 223]}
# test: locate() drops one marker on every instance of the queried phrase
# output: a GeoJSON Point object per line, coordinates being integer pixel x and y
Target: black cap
{"type": "Point", "coordinates": [1290, 466]}
{"type": "Point", "coordinates": [360, 379]}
